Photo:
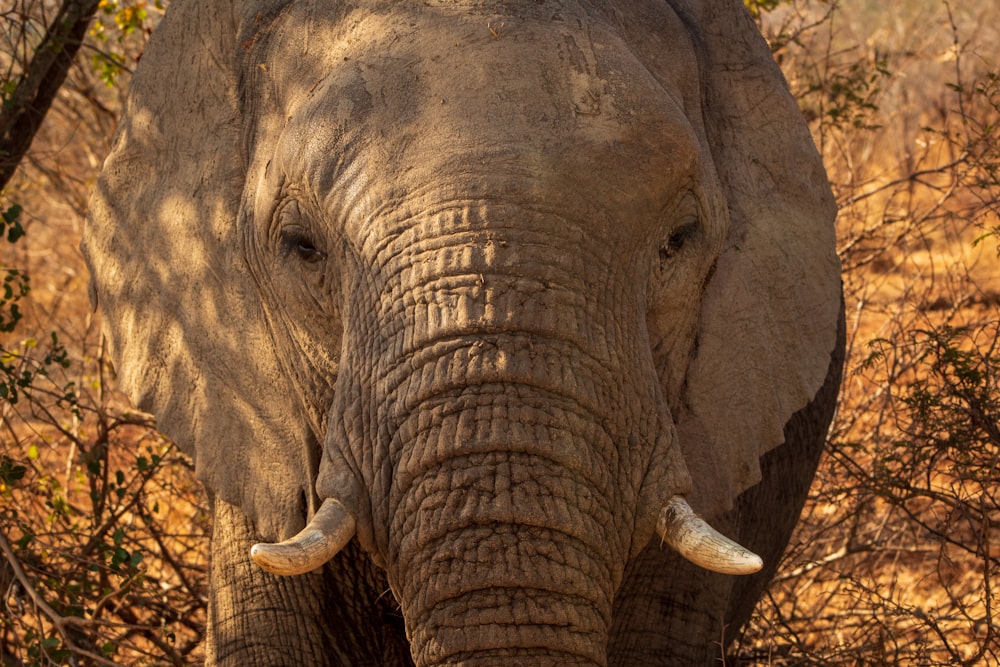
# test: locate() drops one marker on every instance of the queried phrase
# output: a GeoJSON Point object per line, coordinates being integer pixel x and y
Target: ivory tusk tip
{"type": "Point", "coordinates": [698, 542]}
{"type": "Point", "coordinates": [750, 564]}
{"type": "Point", "coordinates": [281, 560]}
{"type": "Point", "coordinates": [327, 533]}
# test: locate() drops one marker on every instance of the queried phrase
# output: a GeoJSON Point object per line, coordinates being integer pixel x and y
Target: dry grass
{"type": "Point", "coordinates": [896, 559]}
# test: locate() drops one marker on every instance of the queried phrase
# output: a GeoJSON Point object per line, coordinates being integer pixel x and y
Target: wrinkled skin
{"type": "Point", "coordinates": [500, 278]}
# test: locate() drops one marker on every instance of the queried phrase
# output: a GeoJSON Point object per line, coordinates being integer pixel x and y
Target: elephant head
{"type": "Point", "coordinates": [495, 290]}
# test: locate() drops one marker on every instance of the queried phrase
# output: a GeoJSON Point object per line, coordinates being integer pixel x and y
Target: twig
{"type": "Point", "coordinates": [63, 624]}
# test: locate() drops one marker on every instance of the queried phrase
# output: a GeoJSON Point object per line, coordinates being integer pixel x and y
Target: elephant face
{"type": "Point", "coordinates": [486, 241]}
{"type": "Point", "coordinates": [500, 286]}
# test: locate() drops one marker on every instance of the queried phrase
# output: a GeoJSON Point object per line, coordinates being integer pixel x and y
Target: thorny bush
{"type": "Point", "coordinates": [896, 559]}
{"type": "Point", "coordinates": [102, 528]}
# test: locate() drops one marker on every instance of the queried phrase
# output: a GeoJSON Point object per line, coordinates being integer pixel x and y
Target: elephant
{"type": "Point", "coordinates": [500, 333]}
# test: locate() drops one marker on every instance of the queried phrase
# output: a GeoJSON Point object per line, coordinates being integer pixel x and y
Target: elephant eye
{"type": "Point", "coordinates": [299, 242]}
{"type": "Point", "coordinates": [677, 240]}
{"type": "Point", "coordinates": [307, 252]}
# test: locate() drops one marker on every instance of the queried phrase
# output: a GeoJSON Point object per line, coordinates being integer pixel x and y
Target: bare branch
{"type": "Point", "coordinates": [41, 79]}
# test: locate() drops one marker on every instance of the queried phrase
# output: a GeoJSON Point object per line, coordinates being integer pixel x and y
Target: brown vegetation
{"type": "Point", "coordinates": [896, 558]}
{"type": "Point", "coordinates": [103, 529]}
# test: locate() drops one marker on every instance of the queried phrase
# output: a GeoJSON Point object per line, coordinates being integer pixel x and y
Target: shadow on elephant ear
{"type": "Point", "coordinates": [665, 601]}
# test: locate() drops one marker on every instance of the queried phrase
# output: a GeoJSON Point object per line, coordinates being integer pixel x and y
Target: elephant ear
{"type": "Point", "coordinates": [769, 317]}
{"type": "Point", "coordinates": [186, 328]}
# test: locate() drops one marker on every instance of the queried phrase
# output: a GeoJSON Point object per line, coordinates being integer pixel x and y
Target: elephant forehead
{"type": "Point", "coordinates": [410, 98]}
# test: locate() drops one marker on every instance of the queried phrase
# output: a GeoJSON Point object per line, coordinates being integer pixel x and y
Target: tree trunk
{"type": "Point", "coordinates": [43, 75]}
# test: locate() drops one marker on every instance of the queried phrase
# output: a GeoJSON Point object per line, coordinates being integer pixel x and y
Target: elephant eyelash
{"type": "Point", "coordinates": [299, 242]}
{"type": "Point", "coordinates": [677, 240]}
{"type": "Point", "coordinates": [308, 253]}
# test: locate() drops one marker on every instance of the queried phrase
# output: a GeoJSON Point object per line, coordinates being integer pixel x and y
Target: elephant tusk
{"type": "Point", "coordinates": [330, 529]}
{"type": "Point", "coordinates": [701, 544]}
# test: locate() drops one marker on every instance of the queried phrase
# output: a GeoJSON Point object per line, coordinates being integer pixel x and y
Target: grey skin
{"type": "Point", "coordinates": [503, 280]}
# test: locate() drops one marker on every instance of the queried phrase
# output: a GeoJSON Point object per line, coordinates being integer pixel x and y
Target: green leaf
{"type": "Point", "coordinates": [12, 213]}
{"type": "Point", "coordinates": [15, 232]}
{"type": "Point", "coordinates": [119, 557]}
{"type": "Point", "coordinates": [11, 472]}
{"type": "Point", "coordinates": [25, 540]}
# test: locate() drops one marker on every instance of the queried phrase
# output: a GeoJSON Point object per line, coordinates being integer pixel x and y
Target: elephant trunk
{"type": "Point", "coordinates": [500, 411]}
{"type": "Point", "coordinates": [503, 510]}
{"type": "Point", "coordinates": [504, 547]}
